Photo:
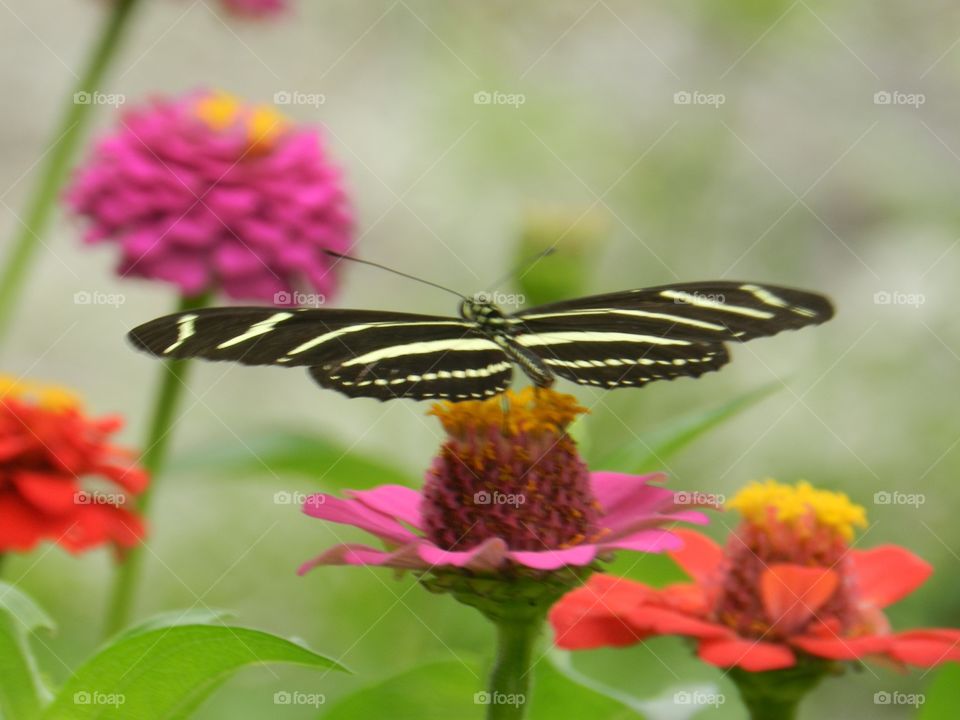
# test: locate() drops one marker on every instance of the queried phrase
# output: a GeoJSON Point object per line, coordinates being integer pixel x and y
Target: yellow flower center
{"type": "Point", "coordinates": [51, 397]}
{"type": "Point", "coordinates": [531, 410]}
{"type": "Point", "coordinates": [222, 111]}
{"type": "Point", "coordinates": [762, 503]}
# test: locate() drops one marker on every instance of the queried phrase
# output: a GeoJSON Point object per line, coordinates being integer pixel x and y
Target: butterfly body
{"type": "Point", "coordinates": [623, 339]}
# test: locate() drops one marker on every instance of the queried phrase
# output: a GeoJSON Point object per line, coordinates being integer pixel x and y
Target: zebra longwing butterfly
{"type": "Point", "coordinates": [621, 339]}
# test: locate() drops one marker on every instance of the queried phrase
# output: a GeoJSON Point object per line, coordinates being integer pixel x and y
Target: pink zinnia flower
{"type": "Point", "coordinates": [507, 490]}
{"type": "Point", "coordinates": [255, 8]}
{"type": "Point", "coordinates": [214, 195]}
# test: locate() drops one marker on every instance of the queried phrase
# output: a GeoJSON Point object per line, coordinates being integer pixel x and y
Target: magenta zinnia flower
{"type": "Point", "coordinates": [255, 8]}
{"type": "Point", "coordinates": [505, 491]}
{"type": "Point", "coordinates": [214, 195]}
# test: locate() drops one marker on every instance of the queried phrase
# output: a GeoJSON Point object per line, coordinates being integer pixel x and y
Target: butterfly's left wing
{"type": "Point", "coordinates": [659, 333]}
{"type": "Point", "coordinates": [360, 353]}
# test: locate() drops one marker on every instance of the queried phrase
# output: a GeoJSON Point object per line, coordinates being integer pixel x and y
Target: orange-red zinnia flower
{"type": "Point", "coordinates": [786, 585]}
{"type": "Point", "coordinates": [51, 454]}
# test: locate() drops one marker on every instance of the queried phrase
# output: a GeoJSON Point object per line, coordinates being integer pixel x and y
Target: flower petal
{"type": "Point", "coordinates": [842, 648]}
{"type": "Point", "coordinates": [353, 512]}
{"type": "Point", "coordinates": [626, 498]}
{"type": "Point", "coordinates": [488, 555]}
{"type": "Point", "coordinates": [592, 616]}
{"type": "Point", "coordinates": [926, 648]}
{"type": "Point", "coordinates": [577, 556]}
{"type": "Point", "coordinates": [751, 655]}
{"type": "Point", "coordinates": [395, 501]}
{"type": "Point", "coordinates": [887, 573]}
{"type": "Point", "coordinates": [699, 557]}
{"type": "Point", "coordinates": [651, 541]}
{"type": "Point", "coordinates": [653, 620]}
{"type": "Point", "coordinates": [54, 494]}
{"type": "Point", "coordinates": [791, 594]}
{"type": "Point", "coordinates": [405, 557]}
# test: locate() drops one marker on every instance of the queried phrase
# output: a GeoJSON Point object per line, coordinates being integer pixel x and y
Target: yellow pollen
{"type": "Point", "coordinates": [530, 410]}
{"type": "Point", "coordinates": [222, 111]}
{"type": "Point", "coordinates": [52, 397]}
{"type": "Point", "coordinates": [759, 502]}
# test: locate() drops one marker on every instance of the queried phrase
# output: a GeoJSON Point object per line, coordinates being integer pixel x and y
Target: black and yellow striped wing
{"type": "Point", "coordinates": [638, 336]}
{"type": "Point", "coordinates": [360, 353]}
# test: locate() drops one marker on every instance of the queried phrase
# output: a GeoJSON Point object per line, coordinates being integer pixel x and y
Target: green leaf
{"type": "Point", "coordinates": [165, 673]}
{"type": "Point", "coordinates": [648, 452]}
{"type": "Point", "coordinates": [22, 691]}
{"type": "Point", "coordinates": [455, 689]}
{"type": "Point", "coordinates": [281, 452]}
{"type": "Point", "coordinates": [942, 698]}
{"type": "Point", "coordinates": [174, 618]}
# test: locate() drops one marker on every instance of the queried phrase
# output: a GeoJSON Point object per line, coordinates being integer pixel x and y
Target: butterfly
{"type": "Point", "coordinates": [615, 340]}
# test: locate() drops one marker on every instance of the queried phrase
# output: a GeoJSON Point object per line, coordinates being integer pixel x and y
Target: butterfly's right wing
{"type": "Point", "coordinates": [360, 353]}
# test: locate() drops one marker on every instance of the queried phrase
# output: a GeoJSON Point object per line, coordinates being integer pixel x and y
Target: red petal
{"type": "Point", "coordinates": [887, 573]}
{"type": "Point", "coordinates": [793, 593]}
{"type": "Point", "coordinates": [751, 655]}
{"type": "Point", "coordinates": [652, 620]}
{"type": "Point", "coordinates": [592, 616]}
{"type": "Point", "coordinates": [54, 494]}
{"type": "Point", "coordinates": [21, 526]}
{"type": "Point", "coordinates": [926, 648]}
{"type": "Point", "coordinates": [97, 525]}
{"type": "Point", "coordinates": [699, 557]}
{"type": "Point", "coordinates": [841, 648]}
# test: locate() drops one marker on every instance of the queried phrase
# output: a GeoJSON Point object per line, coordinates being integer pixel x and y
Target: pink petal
{"type": "Point", "coordinates": [652, 541]}
{"type": "Point", "coordinates": [396, 501]}
{"type": "Point", "coordinates": [626, 497]}
{"type": "Point", "coordinates": [577, 556]}
{"type": "Point", "coordinates": [353, 512]}
{"type": "Point", "coordinates": [353, 554]}
{"type": "Point", "coordinates": [488, 555]}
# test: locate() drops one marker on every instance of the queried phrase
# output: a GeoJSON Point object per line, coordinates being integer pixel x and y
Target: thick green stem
{"type": "Point", "coordinates": [58, 159]}
{"type": "Point", "coordinates": [509, 686]}
{"type": "Point", "coordinates": [776, 694]}
{"type": "Point", "coordinates": [169, 392]}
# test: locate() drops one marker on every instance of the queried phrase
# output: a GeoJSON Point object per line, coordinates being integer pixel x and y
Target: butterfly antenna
{"type": "Point", "coordinates": [525, 265]}
{"type": "Point", "coordinates": [340, 256]}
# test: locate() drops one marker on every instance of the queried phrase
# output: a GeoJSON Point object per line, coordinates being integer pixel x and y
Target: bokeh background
{"type": "Point", "coordinates": [786, 166]}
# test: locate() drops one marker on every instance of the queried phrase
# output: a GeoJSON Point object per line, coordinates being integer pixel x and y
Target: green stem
{"type": "Point", "coordinates": [58, 159]}
{"type": "Point", "coordinates": [510, 678]}
{"type": "Point", "coordinates": [776, 694]}
{"type": "Point", "coordinates": [169, 392]}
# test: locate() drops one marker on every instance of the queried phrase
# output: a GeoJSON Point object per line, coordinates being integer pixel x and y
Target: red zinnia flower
{"type": "Point", "coordinates": [786, 585]}
{"type": "Point", "coordinates": [48, 451]}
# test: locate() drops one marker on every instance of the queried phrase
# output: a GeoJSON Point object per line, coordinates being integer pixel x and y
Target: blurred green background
{"type": "Point", "coordinates": [801, 176]}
